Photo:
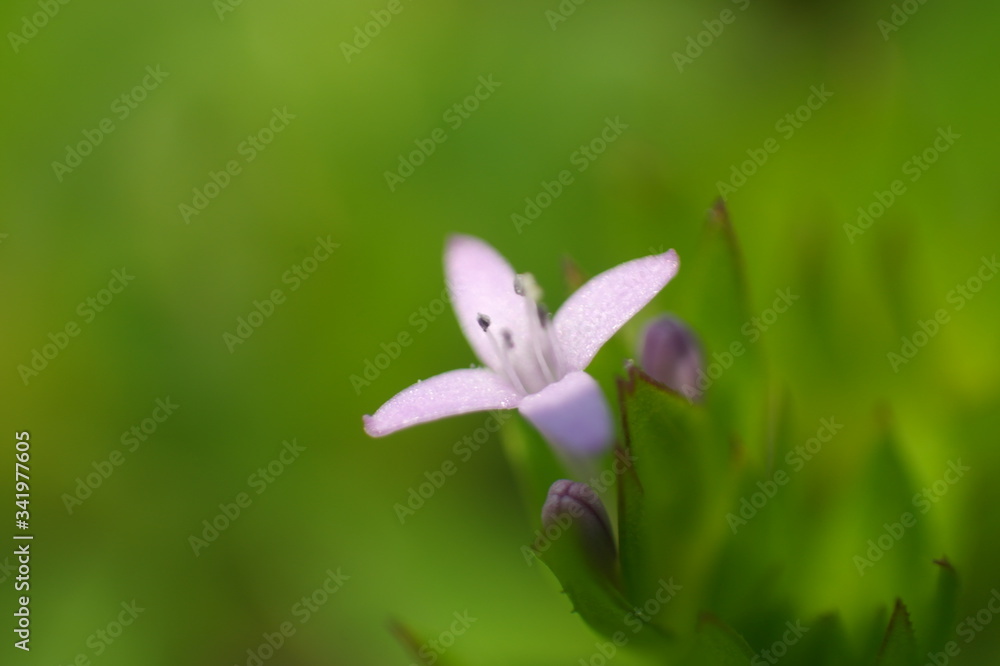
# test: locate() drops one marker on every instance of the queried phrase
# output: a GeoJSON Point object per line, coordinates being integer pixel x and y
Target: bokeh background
{"type": "Point", "coordinates": [350, 117]}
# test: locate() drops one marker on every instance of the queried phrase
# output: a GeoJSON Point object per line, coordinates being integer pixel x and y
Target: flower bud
{"type": "Point", "coordinates": [672, 356]}
{"type": "Point", "coordinates": [573, 505]}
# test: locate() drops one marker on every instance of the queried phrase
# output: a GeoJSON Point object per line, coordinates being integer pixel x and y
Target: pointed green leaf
{"type": "Point", "coordinates": [942, 614]}
{"type": "Point", "coordinates": [595, 595]}
{"type": "Point", "coordinates": [899, 647]}
{"type": "Point", "coordinates": [721, 244]}
{"type": "Point", "coordinates": [887, 515]}
{"type": "Point", "coordinates": [633, 551]}
{"type": "Point", "coordinates": [719, 644]}
{"type": "Point", "coordinates": [715, 302]}
{"type": "Point", "coordinates": [664, 501]}
{"type": "Point", "coordinates": [825, 644]}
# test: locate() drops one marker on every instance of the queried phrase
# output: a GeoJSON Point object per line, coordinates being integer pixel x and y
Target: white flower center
{"type": "Point", "coordinates": [532, 364]}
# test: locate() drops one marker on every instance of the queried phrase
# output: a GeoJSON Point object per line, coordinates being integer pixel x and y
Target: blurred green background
{"type": "Point", "coordinates": [348, 118]}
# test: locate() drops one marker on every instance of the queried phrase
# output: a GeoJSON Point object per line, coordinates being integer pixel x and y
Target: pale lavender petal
{"type": "Point", "coordinates": [447, 394]}
{"type": "Point", "coordinates": [482, 282]}
{"type": "Point", "coordinates": [599, 308]}
{"type": "Point", "coordinates": [572, 414]}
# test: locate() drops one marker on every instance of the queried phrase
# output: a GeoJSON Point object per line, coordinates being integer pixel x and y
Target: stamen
{"type": "Point", "coordinates": [541, 343]}
{"type": "Point", "coordinates": [505, 364]}
{"type": "Point", "coordinates": [525, 285]}
{"type": "Point", "coordinates": [551, 350]}
{"type": "Point", "coordinates": [540, 358]}
{"type": "Point", "coordinates": [543, 315]}
{"type": "Point", "coordinates": [541, 364]}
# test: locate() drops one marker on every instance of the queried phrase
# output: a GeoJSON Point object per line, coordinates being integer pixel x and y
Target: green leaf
{"type": "Point", "coordinates": [720, 249]}
{"type": "Point", "coordinates": [595, 594]}
{"type": "Point", "coordinates": [887, 515]}
{"type": "Point", "coordinates": [825, 644]}
{"type": "Point", "coordinates": [715, 302]}
{"type": "Point", "coordinates": [719, 644]}
{"type": "Point", "coordinates": [899, 647]}
{"type": "Point", "coordinates": [633, 551]}
{"type": "Point", "coordinates": [664, 499]}
{"type": "Point", "coordinates": [942, 613]}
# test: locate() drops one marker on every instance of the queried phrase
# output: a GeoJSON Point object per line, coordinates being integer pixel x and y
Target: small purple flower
{"type": "Point", "coordinates": [534, 361]}
{"type": "Point", "coordinates": [672, 356]}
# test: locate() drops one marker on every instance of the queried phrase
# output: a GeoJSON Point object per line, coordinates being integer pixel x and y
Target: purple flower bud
{"type": "Point", "coordinates": [672, 356]}
{"type": "Point", "coordinates": [575, 504]}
